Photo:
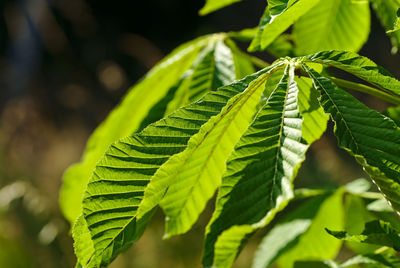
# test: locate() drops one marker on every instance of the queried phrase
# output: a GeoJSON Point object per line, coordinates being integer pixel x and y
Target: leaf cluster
{"type": "Point", "coordinates": [210, 118]}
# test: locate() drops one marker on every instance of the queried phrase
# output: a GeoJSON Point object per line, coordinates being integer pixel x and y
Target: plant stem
{"type": "Point", "coordinates": [361, 88]}
{"type": "Point", "coordinates": [366, 89]}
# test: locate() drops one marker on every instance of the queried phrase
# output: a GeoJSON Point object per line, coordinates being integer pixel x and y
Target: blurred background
{"type": "Point", "coordinates": [64, 64]}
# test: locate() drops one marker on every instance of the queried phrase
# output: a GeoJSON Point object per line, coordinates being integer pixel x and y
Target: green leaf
{"type": "Point", "coordinates": [315, 243]}
{"type": "Point", "coordinates": [242, 62]}
{"type": "Point", "coordinates": [213, 5]}
{"type": "Point", "coordinates": [213, 68]}
{"type": "Point", "coordinates": [386, 12]}
{"type": "Point", "coordinates": [314, 118]}
{"type": "Point", "coordinates": [357, 216]}
{"type": "Point", "coordinates": [359, 66]}
{"type": "Point", "coordinates": [282, 46]}
{"type": "Point", "coordinates": [368, 135]}
{"type": "Point", "coordinates": [284, 235]}
{"type": "Point", "coordinates": [83, 244]}
{"type": "Point", "coordinates": [124, 120]}
{"type": "Point", "coordinates": [333, 24]}
{"type": "Point", "coordinates": [116, 189]}
{"type": "Point", "coordinates": [375, 232]}
{"type": "Point", "coordinates": [196, 173]}
{"type": "Point", "coordinates": [271, 26]}
{"type": "Point", "coordinates": [373, 261]}
{"type": "Point", "coordinates": [259, 175]}
{"type": "Point", "coordinates": [276, 7]}
{"type": "Point", "coordinates": [214, 65]}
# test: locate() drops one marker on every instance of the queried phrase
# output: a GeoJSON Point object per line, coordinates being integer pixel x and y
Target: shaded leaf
{"type": "Point", "coordinates": [386, 12]}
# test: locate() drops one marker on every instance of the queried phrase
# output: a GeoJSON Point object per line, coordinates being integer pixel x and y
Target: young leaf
{"type": "Point", "coordinates": [213, 5]}
{"type": "Point", "coordinates": [386, 12]}
{"type": "Point", "coordinates": [333, 24]}
{"type": "Point", "coordinates": [116, 189]}
{"type": "Point", "coordinates": [259, 174]}
{"type": "Point", "coordinates": [375, 232]}
{"type": "Point", "coordinates": [124, 120]}
{"type": "Point", "coordinates": [271, 26]}
{"type": "Point", "coordinates": [359, 66]}
{"type": "Point", "coordinates": [197, 171]}
{"type": "Point", "coordinates": [368, 135]}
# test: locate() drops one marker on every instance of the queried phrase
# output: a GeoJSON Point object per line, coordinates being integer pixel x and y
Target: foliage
{"type": "Point", "coordinates": [203, 120]}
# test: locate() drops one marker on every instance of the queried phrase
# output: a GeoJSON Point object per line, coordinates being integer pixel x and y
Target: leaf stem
{"type": "Point", "coordinates": [361, 88]}
{"type": "Point", "coordinates": [366, 89]}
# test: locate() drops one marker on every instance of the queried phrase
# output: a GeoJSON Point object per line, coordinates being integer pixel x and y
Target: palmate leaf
{"type": "Point", "coordinates": [259, 174]}
{"type": "Point", "coordinates": [271, 26]}
{"type": "Point", "coordinates": [386, 12]}
{"type": "Point", "coordinates": [359, 66]}
{"type": "Point", "coordinates": [333, 24]}
{"type": "Point", "coordinates": [375, 232]}
{"type": "Point", "coordinates": [118, 184]}
{"type": "Point", "coordinates": [213, 5]}
{"type": "Point", "coordinates": [212, 64]}
{"type": "Point", "coordinates": [369, 136]}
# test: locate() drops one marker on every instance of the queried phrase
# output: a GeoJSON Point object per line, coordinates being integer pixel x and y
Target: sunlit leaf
{"type": "Point", "coordinates": [333, 24]}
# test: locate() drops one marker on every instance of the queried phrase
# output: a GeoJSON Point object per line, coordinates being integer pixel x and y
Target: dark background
{"type": "Point", "coordinates": [63, 66]}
